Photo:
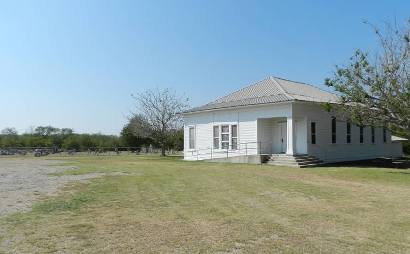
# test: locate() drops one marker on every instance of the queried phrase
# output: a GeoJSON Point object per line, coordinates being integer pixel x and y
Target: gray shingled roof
{"type": "Point", "coordinates": [269, 90]}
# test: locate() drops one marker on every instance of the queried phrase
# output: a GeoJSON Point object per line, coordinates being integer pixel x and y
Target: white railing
{"type": "Point", "coordinates": [249, 148]}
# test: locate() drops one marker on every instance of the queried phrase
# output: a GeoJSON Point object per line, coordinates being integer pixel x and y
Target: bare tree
{"type": "Point", "coordinates": [161, 110]}
{"type": "Point", "coordinates": [377, 91]}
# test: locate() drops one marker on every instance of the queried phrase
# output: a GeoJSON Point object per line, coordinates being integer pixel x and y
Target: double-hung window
{"type": "Point", "coordinates": [225, 136]}
{"type": "Point", "coordinates": [333, 130]}
{"type": "Point", "coordinates": [348, 132]}
{"type": "Point", "coordinates": [234, 137]}
{"type": "Point", "coordinates": [384, 135]}
{"type": "Point", "coordinates": [361, 135]}
{"type": "Point", "coordinates": [191, 133]}
{"type": "Point", "coordinates": [313, 132]}
{"type": "Point", "coordinates": [216, 137]}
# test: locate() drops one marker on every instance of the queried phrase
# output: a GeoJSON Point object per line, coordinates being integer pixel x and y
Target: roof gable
{"type": "Point", "coordinates": [269, 90]}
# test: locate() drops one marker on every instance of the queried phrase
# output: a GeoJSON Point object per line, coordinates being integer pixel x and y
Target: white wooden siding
{"type": "Point", "coordinates": [259, 123]}
{"type": "Point", "coordinates": [342, 151]}
{"type": "Point", "coordinates": [245, 118]}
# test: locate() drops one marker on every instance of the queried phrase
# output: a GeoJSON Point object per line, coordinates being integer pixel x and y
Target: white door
{"type": "Point", "coordinates": [283, 137]}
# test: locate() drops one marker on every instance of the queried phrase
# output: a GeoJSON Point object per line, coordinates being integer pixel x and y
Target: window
{"type": "Point", "coordinates": [333, 130]}
{"type": "Point", "coordinates": [373, 135]}
{"type": "Point", "coordinates": [348, 132]}
{"type": "Point", "coordinates": [191, 134]}
{"type": "Point", "coordinates": [234, 137]}
{"type": "Point", "coordinates": [216, 137]}
{"type": "Point", "coordinates": [225, 136]}
{"type": "Point", "coordinates": [313, 132]}
{"type": "Point", "coordinates": [384, 135]}
{"type": "Point", "coordinates": [361, 135]}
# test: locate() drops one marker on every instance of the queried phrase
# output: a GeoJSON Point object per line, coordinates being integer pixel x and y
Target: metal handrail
{"type": "Point", "coordinates": [198, 153]}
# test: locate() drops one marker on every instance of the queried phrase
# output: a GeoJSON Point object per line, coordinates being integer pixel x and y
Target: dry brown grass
{"type": "Point", "coordinates": [171, 206]}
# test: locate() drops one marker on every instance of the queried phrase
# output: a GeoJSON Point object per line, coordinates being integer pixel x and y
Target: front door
{"type": "Point", "coordinates": [283, 137]}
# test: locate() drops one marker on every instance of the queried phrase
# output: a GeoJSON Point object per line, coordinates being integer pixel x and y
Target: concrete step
{"type": "Point", "coordinates": [282, 164]}
{"type": "Point", "coordinates": [296, 165]}
{"type": "Point", "coordinates": [312, 165]}
{"type": "Point", "coordinates": [294, 160]}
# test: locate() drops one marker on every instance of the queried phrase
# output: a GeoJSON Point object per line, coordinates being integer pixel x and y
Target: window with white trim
{"type": "Point", "coordinates": [313, 132]}
{"type": "Point", "coordinates": [348, 132]}
{"type": "Point", "coordinates": [234, 137]}
{"type": "Point", "coordinates": [216, 137]}
{"type": "Point", "coordinates": [225, 136]}
{"type": "Point", "coordinates": [361, 134]}
{"type": "Point", "coordinates": [333, 130]}
{"type": "Point", "coordinates": [191, 133]}
{"type": "Point", "coordinates": [384, 135]}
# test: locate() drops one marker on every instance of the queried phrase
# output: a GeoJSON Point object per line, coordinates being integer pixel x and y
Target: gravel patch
{"type": "Point", "coordinates": [24, 181]}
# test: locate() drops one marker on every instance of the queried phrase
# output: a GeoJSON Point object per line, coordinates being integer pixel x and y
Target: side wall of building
{"type": "Point", "coordinates": [341, 150]}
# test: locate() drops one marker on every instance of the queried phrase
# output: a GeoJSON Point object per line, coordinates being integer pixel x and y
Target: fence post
{"type": "Point", "coordinates": [246, 149]}
{"type": "Point", "coordinates": [197, 154]}
{"type": "Point", "coordinates": [227, 151]}
{"type": "Point", "coordinates": [211, 153]}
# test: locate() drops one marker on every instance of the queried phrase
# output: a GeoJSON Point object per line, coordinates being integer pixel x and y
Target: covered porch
{"type": "Point", "coordinates": [282, 135]}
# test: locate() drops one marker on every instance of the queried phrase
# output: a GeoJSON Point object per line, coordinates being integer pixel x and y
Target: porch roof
{"type": "Point", "coordinates": [270, 90]}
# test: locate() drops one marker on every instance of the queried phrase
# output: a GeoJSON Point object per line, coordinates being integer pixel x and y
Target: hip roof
{"type": "Point", "coordinates": [269, 90]}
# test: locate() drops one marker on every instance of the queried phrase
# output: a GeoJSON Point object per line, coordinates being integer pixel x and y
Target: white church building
{"type": "Point", "coordinates": [281, 122]}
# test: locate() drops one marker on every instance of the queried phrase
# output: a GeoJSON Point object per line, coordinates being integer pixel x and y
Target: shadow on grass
{"type": "Point", "coordinates": [399, 172]}
{"type": "Point", "coordinates": [396, 163]}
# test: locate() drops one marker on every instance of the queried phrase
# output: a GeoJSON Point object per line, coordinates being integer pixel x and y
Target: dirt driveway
{"type": "Point", "coordinates": [25, 180]}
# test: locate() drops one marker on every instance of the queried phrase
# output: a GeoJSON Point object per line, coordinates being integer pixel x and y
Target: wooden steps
{"type": "Point", "coordinates": [300, 161]}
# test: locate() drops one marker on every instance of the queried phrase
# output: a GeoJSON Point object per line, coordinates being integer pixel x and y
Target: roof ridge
{"type": "Point", "coordinates": [265, 96]}
{"type": "Point", "coordinates": [281, 87]}
{"type": "Point", "coordinates": [303, 83]}
{"type": "Point", "coordinates": [243, 88]}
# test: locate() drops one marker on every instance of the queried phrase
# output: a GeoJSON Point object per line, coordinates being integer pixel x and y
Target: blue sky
{"type": "Point", "coordinates": [75, 63]}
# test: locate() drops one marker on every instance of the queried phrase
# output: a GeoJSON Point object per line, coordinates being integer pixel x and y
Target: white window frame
{"type": "Point", "coordinates": [193, 137]}
{"type": "Point", "coordinates": [234, 137]}
{"type": "Point", "coordinates": [384, 135]}
{"type": "Point", "coordinates": [313, 134]}
{"type": "Point", "coordinates": [224, 133]}
{"type": "Point", "coordinates": [333, 133]}
{"type": "Point", "coordinates": [348, 132]}
{"type": "Point", "coordinates": [222, 143]}
{"type": "Point", "coordinates": [361, 134]}
{"type": "Point", "coordinates": [217, 137]}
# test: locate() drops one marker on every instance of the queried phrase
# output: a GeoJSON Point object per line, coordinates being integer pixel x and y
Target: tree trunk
{"type": "Point", "coordinates": [163, 149]}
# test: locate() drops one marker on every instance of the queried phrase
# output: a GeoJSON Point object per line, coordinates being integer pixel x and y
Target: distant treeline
{"type": "Point", "coordinates": [65, 138]}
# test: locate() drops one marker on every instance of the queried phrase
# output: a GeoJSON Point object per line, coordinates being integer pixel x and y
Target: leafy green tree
{"type": "Point", "coordinates": [10, 138]}
{"type": "Point", "coordinates": [71, 142]}
{"type": "Point", "coordinates": [9, 131]}
{"type": "Point", "coordinates": [376, 91]}
{"type": "Point", "coordinates": [136, 132]}
{"type": "Point", "coordinates": [51, 137]}
{"type": "Point", "coordinates": [176, 140]}
{"type": "Point", "coordinates": [46, 131]}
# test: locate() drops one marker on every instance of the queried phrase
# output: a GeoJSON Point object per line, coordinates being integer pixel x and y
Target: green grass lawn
{"type": "Point", "coordinates": [166, 205]}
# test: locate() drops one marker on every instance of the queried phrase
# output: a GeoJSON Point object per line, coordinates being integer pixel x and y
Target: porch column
{"type": "Point", "coordinates": [290, 149]}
